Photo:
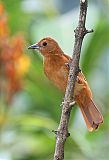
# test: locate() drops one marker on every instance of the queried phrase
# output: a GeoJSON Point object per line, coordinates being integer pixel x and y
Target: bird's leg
{"type": "Point", "coordinates": [67, 64]}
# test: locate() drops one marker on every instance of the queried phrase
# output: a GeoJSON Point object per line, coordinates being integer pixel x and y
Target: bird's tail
{"type": "Point", "coordinates": [90, 112]}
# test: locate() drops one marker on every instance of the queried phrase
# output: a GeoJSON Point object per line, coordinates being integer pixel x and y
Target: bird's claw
{"type": "Point", "coordinates": [67, 65]}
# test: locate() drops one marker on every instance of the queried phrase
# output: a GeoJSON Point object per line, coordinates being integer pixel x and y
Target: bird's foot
{"type": "Point", "coordinates": [67, 65]}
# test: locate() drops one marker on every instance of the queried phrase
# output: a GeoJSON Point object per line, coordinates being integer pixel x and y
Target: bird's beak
{"type": "Point", "coordinates": [34, 46]}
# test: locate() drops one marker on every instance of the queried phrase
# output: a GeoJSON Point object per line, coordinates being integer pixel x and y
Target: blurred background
{"type": "Point", "coordinates": [29, 103]}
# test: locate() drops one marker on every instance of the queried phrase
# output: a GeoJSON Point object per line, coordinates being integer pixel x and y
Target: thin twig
{"type": "Point", "coordinates": [62, 131]}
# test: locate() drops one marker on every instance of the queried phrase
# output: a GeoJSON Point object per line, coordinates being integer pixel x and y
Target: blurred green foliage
{"type": "Point", "coordinates": [26, 124]}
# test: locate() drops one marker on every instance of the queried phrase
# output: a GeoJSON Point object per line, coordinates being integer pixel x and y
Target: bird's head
{"type": "Point", "coordinates": [47, 46]}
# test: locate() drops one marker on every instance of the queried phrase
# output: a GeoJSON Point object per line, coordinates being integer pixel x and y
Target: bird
{"type": "Point", "coordinates": [56, 68]}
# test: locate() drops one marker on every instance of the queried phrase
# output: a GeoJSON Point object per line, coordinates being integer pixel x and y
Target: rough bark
{"type": "Point", "coordinates": [62, 131]}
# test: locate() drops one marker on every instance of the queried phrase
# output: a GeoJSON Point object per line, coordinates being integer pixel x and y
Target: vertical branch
{"type": "Point", "coordinates": [62, 131]}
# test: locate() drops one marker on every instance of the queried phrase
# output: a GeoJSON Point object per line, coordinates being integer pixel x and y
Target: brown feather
{"type": "Point", "coordinates": [56, 70]}
{"type": "Point", "coordinates": [91, 114]}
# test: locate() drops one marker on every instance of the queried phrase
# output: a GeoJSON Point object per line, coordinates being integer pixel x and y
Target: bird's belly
{"type": "Point", "coordinates": [59, 77]}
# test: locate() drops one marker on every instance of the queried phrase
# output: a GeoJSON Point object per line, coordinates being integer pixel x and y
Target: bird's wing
{"type": "Point", "coordinates": [69, 61]}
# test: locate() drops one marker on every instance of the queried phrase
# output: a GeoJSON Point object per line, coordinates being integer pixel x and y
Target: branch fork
{"type": "Point", "coordinates": [81, 32]}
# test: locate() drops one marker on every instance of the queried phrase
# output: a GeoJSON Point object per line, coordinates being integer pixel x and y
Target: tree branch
{"type": "Point", "coordinates": [62, 131]}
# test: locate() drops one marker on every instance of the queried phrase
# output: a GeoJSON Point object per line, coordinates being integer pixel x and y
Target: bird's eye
{"type": "Point", "coordinates": [44, 43]}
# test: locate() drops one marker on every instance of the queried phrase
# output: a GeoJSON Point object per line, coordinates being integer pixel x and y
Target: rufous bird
{"type": "Point", "coordinates": [57, 71]}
